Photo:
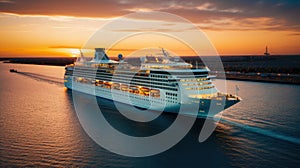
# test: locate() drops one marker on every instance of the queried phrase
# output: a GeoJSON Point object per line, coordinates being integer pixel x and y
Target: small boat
{"type": "Point", "coordinates": [13, 70]}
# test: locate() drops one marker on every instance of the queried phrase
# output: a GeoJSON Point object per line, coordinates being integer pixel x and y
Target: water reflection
{"type": "Point", "coordinates": [39, 127]}
{"type": "Point", "coordinates": [210, 151]}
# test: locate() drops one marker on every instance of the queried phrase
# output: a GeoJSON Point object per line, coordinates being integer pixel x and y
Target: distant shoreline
{"type": "Point", "coordinates": [281, 80]}
{"type": "Point", "coordinates": [56, 61]}
{"type": "Point", "coordinates": [272, 69]}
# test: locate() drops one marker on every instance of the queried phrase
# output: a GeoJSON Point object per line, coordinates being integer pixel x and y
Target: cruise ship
{"type": "Point", "coordinates": [161, 84]}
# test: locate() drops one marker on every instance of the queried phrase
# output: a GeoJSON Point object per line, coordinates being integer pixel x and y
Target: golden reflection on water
{"type": "Point", "coordinates": [38, 122]}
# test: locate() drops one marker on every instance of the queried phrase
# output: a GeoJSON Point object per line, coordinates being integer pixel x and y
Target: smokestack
{"type": "Point", "coordinates": [100, 54]}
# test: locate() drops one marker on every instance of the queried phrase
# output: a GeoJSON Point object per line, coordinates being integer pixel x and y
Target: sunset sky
{"type": "Point", "coordinates": [235, 27]}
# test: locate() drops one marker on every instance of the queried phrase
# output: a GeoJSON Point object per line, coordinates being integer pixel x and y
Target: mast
{"type": "Point", "coordinates": [81, 58]}
{"type": "Point", "coordinates": [166, 58]}
{"type": "Point", "coordinates": [166, 55]}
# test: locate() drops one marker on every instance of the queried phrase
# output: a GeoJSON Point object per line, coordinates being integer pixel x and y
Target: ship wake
{"type": "Point", "coordinates": [261, 131]}
{"type": "Point", "coordinates": [44, 78]}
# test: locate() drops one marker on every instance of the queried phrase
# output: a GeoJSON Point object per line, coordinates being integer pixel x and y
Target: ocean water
{"type": "Point", "coordinates": [39, 127]}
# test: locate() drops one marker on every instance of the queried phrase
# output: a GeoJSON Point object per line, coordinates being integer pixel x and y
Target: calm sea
{"type": "Point", "coordinates": [39, 127]}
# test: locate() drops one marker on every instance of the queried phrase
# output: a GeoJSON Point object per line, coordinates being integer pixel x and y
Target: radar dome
{"type": "Point", "coordinates": [120, 56]}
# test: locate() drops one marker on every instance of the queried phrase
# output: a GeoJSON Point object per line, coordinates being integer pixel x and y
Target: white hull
{"type": "Point", "coordinates": [158, 104]}
{"type": "Point", "coordinates": [137, 100]}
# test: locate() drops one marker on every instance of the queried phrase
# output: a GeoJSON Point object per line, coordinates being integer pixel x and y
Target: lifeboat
{"type": "Point", "coordinates": [154, 93]}
{"type": "Point", "coordinates": [145, 91]}
{"type": "Point", "coordinates": [133, 89]}
{"type": "Point", "coordinates": [124, 87]}
{"type": "Point", "coordinates": [116, 86]}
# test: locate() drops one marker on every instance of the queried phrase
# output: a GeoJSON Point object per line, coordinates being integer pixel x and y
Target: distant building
{"type": "Point", "coordinates": [266, 53]}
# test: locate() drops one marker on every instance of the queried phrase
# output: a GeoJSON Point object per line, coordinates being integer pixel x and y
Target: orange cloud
{"type": "Point", "coordinates": [245, 27]}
